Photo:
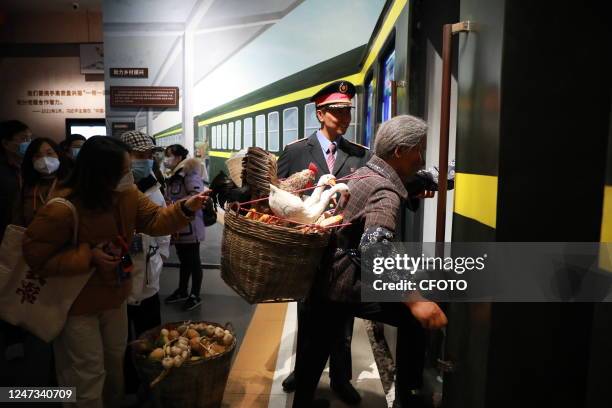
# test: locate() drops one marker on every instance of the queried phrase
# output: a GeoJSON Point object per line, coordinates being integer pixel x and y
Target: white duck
{"type": "Point", "coordinates": [324, 180]}
{"type": "Point", "coordinates": [288, 206]}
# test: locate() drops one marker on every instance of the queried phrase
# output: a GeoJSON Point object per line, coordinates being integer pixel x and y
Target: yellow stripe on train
{"type": "Point", "coordinates": [356, 79]}
{"type": "Point", "coordinates": [214, 153]}
{"type": "Point", "coordinates": [476, 197]}
{"type": "Point", "coordinates": [605, 251]}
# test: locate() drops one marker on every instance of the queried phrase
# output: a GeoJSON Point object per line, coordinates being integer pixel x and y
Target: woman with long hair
{"type": "Point", "coordinates": [89, 350]}
{"type": "Point", "coordinates": [43, 166]}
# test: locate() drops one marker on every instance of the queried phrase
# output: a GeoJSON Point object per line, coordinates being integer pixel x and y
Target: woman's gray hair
{"type": "Point", "coordinates": [403, 130]}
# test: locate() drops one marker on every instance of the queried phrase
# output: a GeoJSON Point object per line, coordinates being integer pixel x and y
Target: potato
{"type": "Point", "coordinates": [173, 335]}
{"type": "Point", "coordinates": [168, 362]}
{"type": "Point", "coordinates": [227, 339]}
{"type": "Point", "coordinates": [196, 347]}
{"type": "Point", "coordinates": [191, 333]}
{"type": "Point", "coordinates": [210, 330]}
{"type": "Point", "coordinates": [157, 354]}
{"type": "Point", "coordinates": [182, 328]}
{"type": "Point", "coordinates": [219, 332]}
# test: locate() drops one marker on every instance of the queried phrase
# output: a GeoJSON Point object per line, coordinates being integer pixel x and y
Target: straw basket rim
{"type": "Point", "coordinates": [270, 232]}
{"type": "Point", "coordinates": [143, 359]}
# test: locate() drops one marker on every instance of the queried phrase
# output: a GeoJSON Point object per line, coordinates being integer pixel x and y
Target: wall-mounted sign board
{"type": "Point", "coordinates": [129, 72]}
{"type": "Point", "coordinates": [144, 96]}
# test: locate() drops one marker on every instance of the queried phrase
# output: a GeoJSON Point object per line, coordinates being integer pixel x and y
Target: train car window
{"type": "Point", "coordinates": [273, 132]}
{"type": "Point", "coordinates": [290, 125]}
{"type": "Point", "coordinates": [369, 112]}
{"type": "Point", "coordinates": [224, 136]}
{"type": "Point", "coordinates": [238, 135]}
{"type": "Point", "coordinates": [213, 137]}
{"type": "Point", "coordinates": [218, 136]}
{"type": "Point", "coordinates": [388, 76]}
{"type": "Point", "coordinates": [260, 131]}
{"type": "Point", "coordinates": [350, 131]}
{"type": "Point", "coordinates": [248, 132]}
{"type": "Point", "coordinates": [230, 136]}
{"type": "Point", "coordinates": [311, 123]}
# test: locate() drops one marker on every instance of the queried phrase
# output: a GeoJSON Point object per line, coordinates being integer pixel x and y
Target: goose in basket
{"type": "Point", "coordinates": [288, 206]}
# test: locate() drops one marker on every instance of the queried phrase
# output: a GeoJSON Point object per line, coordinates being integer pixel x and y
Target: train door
{"type": "Point", "coordinates": [422, 69]}
{"type": "Point", "coordinates": [406, 79]}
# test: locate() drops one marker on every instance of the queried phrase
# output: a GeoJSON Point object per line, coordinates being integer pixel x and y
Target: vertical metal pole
{"type": "Point", "coordinates": [447, 38]}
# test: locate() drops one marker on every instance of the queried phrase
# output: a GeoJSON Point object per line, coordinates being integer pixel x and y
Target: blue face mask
{"type": "Point", "coordinates": [141, 168]}
{"type": "Point", "coordinates": [22, 148]}
{"type": "Point", "coordinates": [75, 152]}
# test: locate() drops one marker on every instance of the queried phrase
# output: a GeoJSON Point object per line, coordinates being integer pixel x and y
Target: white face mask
{"type": "Point", "coordinates": [46, 165]}
{"type": "Point", "coordinates": [126, 182]}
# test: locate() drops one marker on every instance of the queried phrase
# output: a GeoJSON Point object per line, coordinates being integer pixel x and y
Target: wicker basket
{"type": "Point", "coordinates": [259, 171]}
{"type": "Point", "coordinates": [234, 166]}
{"type": "Point", "coordinates": [269, 263]}
{"type": "Point", "coordinates": [196, 384]}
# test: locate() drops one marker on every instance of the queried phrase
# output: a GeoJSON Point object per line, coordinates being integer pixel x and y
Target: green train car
{"type": "Point", "coordinates": [281, 112]}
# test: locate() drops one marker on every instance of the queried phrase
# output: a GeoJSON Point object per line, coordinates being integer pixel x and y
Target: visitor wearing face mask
{"type": "Point", "coordinates": [73, 144]}
{"type": "Point", "coordinates": [41, 169]}
{"type": "Point", "coordinates": [70, 148]}
{"type": "Point", "coordinates": [90, 349]}
{"type": "Point", "coordinates": [34, 367]}
{"type": "Point", "coordinates": [148, 253]}
{"type": "Point", "coordinates": [15, 137]}
{"type": "Point", "coordinates": [185, 180]}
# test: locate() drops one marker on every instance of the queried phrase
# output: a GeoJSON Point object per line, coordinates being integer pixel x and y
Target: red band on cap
{"type": "Point", "coordinates": [333, 97]}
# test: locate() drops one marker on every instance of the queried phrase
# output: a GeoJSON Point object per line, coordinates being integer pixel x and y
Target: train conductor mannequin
{"type": "Point", "coordinates": [332, 153]}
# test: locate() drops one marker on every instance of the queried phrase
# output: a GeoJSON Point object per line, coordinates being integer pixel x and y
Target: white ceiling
{"type": "Point", "coordinates": [149, 33]}
{"type": "Point", "coordinates": [144, 33]}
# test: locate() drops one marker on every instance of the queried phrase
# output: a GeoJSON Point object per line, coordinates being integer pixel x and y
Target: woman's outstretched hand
{"type": "Point", "coordinates": [196, 202]}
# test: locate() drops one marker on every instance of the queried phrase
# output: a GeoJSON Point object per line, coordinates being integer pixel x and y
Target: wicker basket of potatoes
{"type": "Point", "coordinates": [186, 364]}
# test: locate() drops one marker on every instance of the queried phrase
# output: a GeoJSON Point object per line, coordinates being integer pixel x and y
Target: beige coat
{"type": "Point", "coordinates": [48, 251]}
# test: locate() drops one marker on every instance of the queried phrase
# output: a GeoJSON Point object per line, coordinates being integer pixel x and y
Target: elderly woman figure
{"type": "Point", "coordinates": [372, 214]}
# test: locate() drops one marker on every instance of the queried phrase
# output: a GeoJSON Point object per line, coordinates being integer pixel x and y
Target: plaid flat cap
{"type": "Point", "coordinates": [138, 141]}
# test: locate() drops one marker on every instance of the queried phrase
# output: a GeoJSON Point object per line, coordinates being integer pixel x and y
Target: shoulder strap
{"type": "Point", "coordinates": [75, 216]}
